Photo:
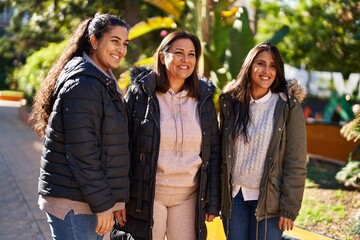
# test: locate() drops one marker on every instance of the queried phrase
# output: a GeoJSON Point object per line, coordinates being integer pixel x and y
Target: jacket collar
{"type": "Point", "coordinates": [109, 73]}
{"type": "Point", "coordinates": [262, 99]}
{"type": "Point", "coordinates": [207, 89]}
{"type": "Point", "coordinates": [145, 77]}
{"type": "Point", "coordinates": [79, 66]}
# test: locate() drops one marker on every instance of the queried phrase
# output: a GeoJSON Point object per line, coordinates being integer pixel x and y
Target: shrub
{"type": "Point", "coordinates": [30, 75]}
{"type": "Point", "coordinates": [349, 175]}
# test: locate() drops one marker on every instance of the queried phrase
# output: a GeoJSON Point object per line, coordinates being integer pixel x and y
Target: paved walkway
{"type": "Point", "coordinates": [20, 216]}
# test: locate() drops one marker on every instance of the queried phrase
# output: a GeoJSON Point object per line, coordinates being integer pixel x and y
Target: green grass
{"type": "Point", "coordinates": [339, 195]}
{"type": "Point", "coordinates": [320, 212]}
{"type": "Point", "coordinates": [324, 203]}
{"type": "Point", "coordinates": [315, 210]}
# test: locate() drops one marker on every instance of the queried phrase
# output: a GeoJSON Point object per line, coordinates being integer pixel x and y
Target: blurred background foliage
{"type": "Point", "coordinates": [312, 34]}
{"type": "Point", "coordinates": [324, 34]}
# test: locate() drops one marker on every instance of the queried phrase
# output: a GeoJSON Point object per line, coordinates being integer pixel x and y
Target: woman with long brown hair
{"type": "Point", "coordinates": [264, 148]}
{"type": "Point", "coordinates": [80, 113]}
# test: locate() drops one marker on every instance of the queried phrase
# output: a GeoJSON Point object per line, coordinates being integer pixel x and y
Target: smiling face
{"type": "Point", "coordinates": [263, 74]}
{"type": "Point", "coordinates": [109, 50]}
{"type": "Point", "coordinates": [179, 60]}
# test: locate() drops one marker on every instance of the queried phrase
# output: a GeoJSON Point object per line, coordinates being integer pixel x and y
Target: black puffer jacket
{"type": "Point", "coordinates": [85, 153]}
{"type": "Point", "coordinates": [144, 118]}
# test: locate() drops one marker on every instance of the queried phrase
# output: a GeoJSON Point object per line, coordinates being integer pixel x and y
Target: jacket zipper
{"type": "Point", "coordinates": [271, 167]}
{"type": "Point", "coordinates": [153, 182]}
{"type": "Point", "coordinates": [202, 165]}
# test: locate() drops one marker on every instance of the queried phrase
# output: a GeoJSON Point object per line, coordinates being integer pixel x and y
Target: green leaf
{"type": "Point", "coordinates": [220, 37]}
{"type": "Point", "coordinates": [241, 41]}
{"type": "Point", "coordinates": [219, 72]}
{"type": "Point", "coordinates": [279, 35]}
{"type": "Point", "coordinates": [220, 30]}
{"type": "Point", "coordinates": [146, 61]}
{"type": "Point", "coordinates": [172, 7]}
{"type": "Point", "coordinates": [149, 25]}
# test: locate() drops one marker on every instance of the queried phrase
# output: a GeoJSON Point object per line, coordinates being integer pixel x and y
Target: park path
{"type": "Point", "coordinates": [20, 149]}
{"type": "Point", "coordinates": [20, 216]}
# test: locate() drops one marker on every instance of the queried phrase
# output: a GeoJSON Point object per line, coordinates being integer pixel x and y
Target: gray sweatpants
{"type": "Point", "coordinates": [174, 216]}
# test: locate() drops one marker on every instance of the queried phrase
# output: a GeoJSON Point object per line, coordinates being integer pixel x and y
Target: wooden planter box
{"type": "Point", "coordinates": [324, 141]}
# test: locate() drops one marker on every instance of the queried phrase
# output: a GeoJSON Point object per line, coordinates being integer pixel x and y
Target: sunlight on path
{"type": "Point", "coordinates": [216, 232]}
{"type": "Point", "coordinates": [5, 103]}
{"type": "Point", "coordinates": [303, 234]}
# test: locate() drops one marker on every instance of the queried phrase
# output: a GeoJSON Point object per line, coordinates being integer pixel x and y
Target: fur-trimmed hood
{"type": "Point", "coordinates": [296, 89]}
{"type": "Point", "coordinates": [137, 73]}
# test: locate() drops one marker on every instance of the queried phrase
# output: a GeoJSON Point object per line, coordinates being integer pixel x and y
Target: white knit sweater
{"type": "Point", "coordinates": [180, 143]}
{"type": "Point", "coordinates": [250, 156]}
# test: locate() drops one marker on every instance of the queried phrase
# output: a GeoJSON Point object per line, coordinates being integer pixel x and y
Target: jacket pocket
{"type": "Point", "coordinates": [273, 196]}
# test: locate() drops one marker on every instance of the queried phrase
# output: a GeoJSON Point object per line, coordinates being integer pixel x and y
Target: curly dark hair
{"type": "Point", "coordinates": [78, 43]}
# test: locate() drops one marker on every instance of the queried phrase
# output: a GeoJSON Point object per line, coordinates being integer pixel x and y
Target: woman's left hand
{"type": "Point", "coordinates": [105, 222]}
{"type": "Point", "coordinates": [209, 217]}
{"type": "Point", "coordinates": [120, 216]}
{"type": "Point", "coordinates": [286, 224]}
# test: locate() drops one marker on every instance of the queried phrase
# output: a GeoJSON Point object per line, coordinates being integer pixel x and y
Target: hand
{"type": "Point", "coordinates": [209, 217]}
{"type": "Point", "coordinates": [120, 216]}
{"type": "Point", "coordinates": [286, 224]}
{"type": "Point", "coordinates": [105, 222]}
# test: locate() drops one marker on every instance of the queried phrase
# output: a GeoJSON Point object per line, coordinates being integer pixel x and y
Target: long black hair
{"type": "Point", "coordinates": [240, 89]}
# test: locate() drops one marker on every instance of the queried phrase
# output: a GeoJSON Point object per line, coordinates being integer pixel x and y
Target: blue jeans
{"type": "Point", "coordinates": [242, 223]}
{"type": "Point", "coordinates": [74, 227]}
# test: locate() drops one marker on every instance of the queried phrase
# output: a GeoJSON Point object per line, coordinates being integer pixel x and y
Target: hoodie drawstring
{"type": "Point", "coordinates": [179, 97]}
{"type": "Point", "coordinates": [182, 127]}
{"type": "Point", "coordinates": [265, 229]}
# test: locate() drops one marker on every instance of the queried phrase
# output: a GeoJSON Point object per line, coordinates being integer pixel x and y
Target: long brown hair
{"type": "Point", "coordinates": [77, 44]}
{"type": "Point", "coordinates": [162, 82]}
{"type": "Point", "coordinates": [240, 89]}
